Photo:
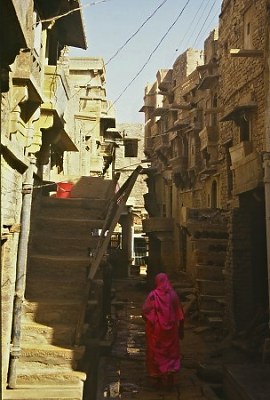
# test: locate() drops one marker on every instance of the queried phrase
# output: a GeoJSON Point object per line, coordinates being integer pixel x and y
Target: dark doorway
{"type": "Point", "coordinates": [254, 205]}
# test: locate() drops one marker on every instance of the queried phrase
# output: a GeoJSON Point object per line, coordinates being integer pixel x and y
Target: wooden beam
{"type": "Point", "coordinates": [115, 210]}
{"type": "Point", "coordinates": [246, 53]}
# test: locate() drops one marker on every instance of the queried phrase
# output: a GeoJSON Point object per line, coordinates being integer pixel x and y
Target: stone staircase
{"type": "Point", "coordinates": [207, 241]}
{"type": "Point", "coordinates": [210, 252]}
{"type": "Point", "coordinates": [64, 235]}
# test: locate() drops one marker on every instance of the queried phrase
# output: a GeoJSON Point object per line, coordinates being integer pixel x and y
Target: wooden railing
{"type": "Point", "coordinates": [115, 210]}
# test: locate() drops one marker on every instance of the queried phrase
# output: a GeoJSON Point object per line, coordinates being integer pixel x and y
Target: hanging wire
{"type": "Point", "coordinates": [136, 32]}
{"type": "Point", "coordinates": [126, 42]}
{"type": "Point", "coordinates": [153, 52]}
{"type": "Point", "coordinates": [145, 64]}
{"type": "Point", "coordinates": [192, 22]}
{"type": "Point", "coordinates": [204, 22]}
{"type": "Point", "coordinates": [53, 19]}
{"type": "Point", "coordinates": [210, 23]}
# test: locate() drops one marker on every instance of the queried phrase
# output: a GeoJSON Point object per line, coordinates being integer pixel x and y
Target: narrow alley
{"type": "Point", "coordinates": [122, 371]}
{"type": "Point", "coordinates": [106, 182]}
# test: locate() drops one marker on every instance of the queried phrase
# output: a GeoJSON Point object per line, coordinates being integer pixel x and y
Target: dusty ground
{"type": "Point", "coordinates": [122, 371]}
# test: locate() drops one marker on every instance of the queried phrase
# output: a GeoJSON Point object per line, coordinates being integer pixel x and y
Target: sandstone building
{"type": "Point", "coordinates": [32, 123]}
{"type": "Point", "coordinates": [207, 139]}
{"type": "Point", "coordinates": [58, 134]}
{"type": "Point", "coordinates": [91, 115]}
{"type": "Point", "coordinates": [128, 155]}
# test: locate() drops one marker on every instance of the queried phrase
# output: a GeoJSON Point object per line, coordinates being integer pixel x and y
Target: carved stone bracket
{"type": "Point", "coordinates": [19, 95]}
{"type": "Point", "coordinates": [45, 121]}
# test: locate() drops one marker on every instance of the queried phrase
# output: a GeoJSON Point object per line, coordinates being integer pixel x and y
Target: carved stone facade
{"type": "Point", "coordinates": [244, 142]}
{"type": "Point", "coordinates": [207, 140]}
{"type": "Point", "coordinates": [34, 93]}
{"type": "Point", "coordinates": [133, 243]}
{"type": "Point", "coordinates": [90, 117]}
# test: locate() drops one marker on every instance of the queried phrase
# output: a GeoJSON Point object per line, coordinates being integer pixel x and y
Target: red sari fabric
{"type": "Point", "coordinates": [162, 313]}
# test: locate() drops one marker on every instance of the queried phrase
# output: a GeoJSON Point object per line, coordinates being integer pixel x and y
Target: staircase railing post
{"type": "Point", "coordinates": [27, 190]}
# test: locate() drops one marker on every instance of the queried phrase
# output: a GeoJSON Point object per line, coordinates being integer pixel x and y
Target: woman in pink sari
{"type": "Point", "coordinates": [163, 315]}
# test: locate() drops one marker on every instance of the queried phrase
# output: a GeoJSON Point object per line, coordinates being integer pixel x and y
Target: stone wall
{"type": "Point", "coordinates": [11, 198]}
{"type": "Point", "coordinates": [242, 83]}
{"type": "Point", "coordinates": [220, 166]}
{"type": "Point", "coordinates": [242, 77]}
{"type": "Point", "coordinates": [186, 63]}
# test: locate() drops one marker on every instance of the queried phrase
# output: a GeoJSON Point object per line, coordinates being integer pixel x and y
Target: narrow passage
{"type": "Point", "coordinates": [122, 373]}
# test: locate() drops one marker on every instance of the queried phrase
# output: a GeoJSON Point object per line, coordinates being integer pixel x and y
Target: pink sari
{"type": "Point", "coordinates": [162, 313]}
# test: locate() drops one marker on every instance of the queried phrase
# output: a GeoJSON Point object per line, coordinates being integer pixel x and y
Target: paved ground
{"type": "Point", "coordinates": [122, 372]}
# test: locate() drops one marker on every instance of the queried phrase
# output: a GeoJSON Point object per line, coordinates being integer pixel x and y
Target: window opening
{"type": "Point", "coordinates": [214, 194]}
{"type": "Point", "coordinates": [244, 125]}
{"type": "Point", "coordinates": [248, 28]}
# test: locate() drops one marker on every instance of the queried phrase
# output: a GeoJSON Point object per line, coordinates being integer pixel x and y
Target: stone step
{"type": "Point", "coordinates": [210, 287]}
{"type": "Point", "coordinates": [210, 244]}
{"type": "Point", "coordinates": [215, 321]}
{"type": "Point", "coordinates": [47, 392]}
{"type": "Point", "coordinates": [211, 303]}
{"type": "Point", "coordinates": [65, 226]}
{"type": "Point", "coordinates": [93, 187]}
{"type": "Point", "coordinates": [64, 245]}
{"type": "Point", "coordinates": [45, 356]}
{"type": "Point", "coordinates": [210, 313]}
{"type": "Point", "coordinates": [209, 272]}
{"type": "Point", "coordinates": [209, 258]}
{"type": "Point", "coordinates": [72, 202]}
{"type": "Point", "coordinates": [59, 267]}
{"type": "Point", "coordinates": [50, 312]}
{"type": "Point", "coordinates": [36, 333]}
{"type": "Point", "coordinates": [246, 381]}
{"type": "Point", "coordinates": [50, 376]}
{"type": "Point", "coordinates": [85, 187]}
{"type": "Point", "coordinates": [42, 289]}
{"type": "Point", "coordinates": [74, 208]}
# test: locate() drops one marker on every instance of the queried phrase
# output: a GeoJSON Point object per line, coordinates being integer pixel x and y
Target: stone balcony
{"type": "Point", "coordinates": [56, 90]}
{"type": "Point", "coordinates": [164, 78]}
{"type": "Point", "coordinates": [150, 100]}
{"type": "Point", "coordinates": [95, 102]}
{"type": "Point", "coordinates": [160, 142]}
{"type": "Point", "coordinates": [208, 81]}
{"type": "Point", "coordinates": [202, 219]}
{"type": "Point", "coordinates": [106, 149]}
{"type": "Point", "coordinates": [240, 151]}
{"type": "Point", "coordinates": [154, 129]}
{"type": "Point", "coordinates": [148, 146]}
{"type": "Point", "coordinates": [195, 125]}
{"type": "Point", "coordinates": [196, 120]}
{"type": "Point", "coordinates": [178, 164]}
{"type": "Point", "coordinates": [179, 125]}
{"type": "Point", "coordinates": [247, 173]}
{"type": "Point", "coordinates": [56, 94]}
{"type": "Point", "coordinates": [160, 110]}
{"type": "Point", "coordinates": [208, 136]}
{"type": "Point", "coordinates": [27, 76]}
